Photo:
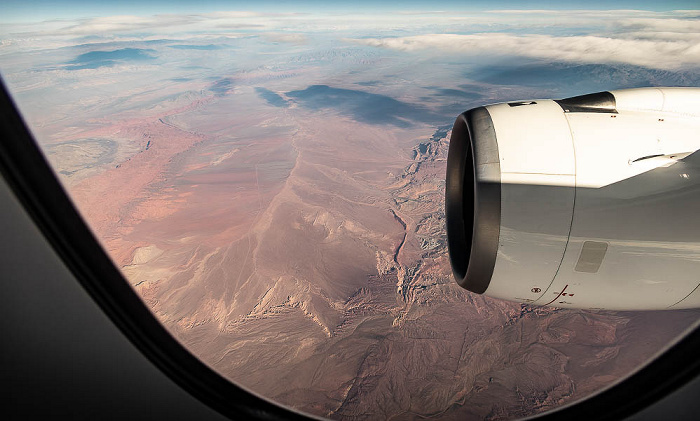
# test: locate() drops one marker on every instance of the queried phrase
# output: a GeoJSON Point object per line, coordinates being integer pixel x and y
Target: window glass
{"type": "Point", "coordinates": [271, 183]}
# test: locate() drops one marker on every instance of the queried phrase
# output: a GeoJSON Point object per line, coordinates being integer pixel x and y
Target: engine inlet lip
{"type": "Point", "coordinates": [473, 199]}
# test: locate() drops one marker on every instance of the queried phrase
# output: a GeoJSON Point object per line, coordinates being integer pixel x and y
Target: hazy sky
{"type": "Point", "coordinates": [22, 10]}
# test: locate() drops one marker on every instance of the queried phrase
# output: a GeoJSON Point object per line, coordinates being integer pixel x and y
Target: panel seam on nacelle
{"type": "Point", "coordinates": [683, 299]}
{"type": "Point", "coordinates": [571, 223]}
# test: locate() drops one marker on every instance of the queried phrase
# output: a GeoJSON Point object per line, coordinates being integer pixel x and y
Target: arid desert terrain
{"type": "Point", "coordinates": [278, 202]}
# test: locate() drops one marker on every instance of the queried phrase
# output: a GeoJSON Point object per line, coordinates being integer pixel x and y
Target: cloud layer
{"type": "Point", "coordinates": [660, 54]}
{"type": "Point", "coordinates": [660, 40]}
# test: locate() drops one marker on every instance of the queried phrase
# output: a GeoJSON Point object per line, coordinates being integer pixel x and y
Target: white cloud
{"type": "Point", "coordinates": [232, 14]}
{"type": "Point", "coordinates": [661, 25]}
{"type": "Point", "coordinates": [661, 54]}
{"type": "Point", "coordinates": [122, 24]}
{"type": "Point", "coordinates": [578, 12]}
{"type": "Point", "coordinates": [291, 38]}
{"type": "Point", "coordinates": [115, 24]}
{"type": "Point", "coordinates": [425, 12]}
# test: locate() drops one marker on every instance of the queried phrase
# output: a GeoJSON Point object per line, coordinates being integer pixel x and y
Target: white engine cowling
{"type": "Point", "coordinates": [586, 202]}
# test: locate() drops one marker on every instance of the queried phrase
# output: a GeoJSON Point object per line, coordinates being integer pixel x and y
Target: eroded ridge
{"type": "Point", "coordinates": [315, 273]}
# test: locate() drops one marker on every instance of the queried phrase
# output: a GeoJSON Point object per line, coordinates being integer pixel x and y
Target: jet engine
{"type": "Point", "coordinates": [585, 202]}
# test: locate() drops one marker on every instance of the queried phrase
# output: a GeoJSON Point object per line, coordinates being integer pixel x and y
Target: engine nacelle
{"type": "Point", "coordinates": [586, 202]}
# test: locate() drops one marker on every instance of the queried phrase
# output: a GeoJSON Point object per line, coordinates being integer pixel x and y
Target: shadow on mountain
{"type": "Point", "coordinates": [450, 102]}
{"type": "Point", "coordinates": [270, 97]}
{"type": "Point", "coordinates": [222, 86]}
{"type": "Point", "coordinates": [363, 106]}
{"type": "Point", "coordinates": [567, 79]}
{"type": "Point", "coordinates": [96, 59]}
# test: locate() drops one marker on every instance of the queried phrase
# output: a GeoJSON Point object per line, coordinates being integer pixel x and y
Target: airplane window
{"type": "Point", "coordinates": [271, 182]}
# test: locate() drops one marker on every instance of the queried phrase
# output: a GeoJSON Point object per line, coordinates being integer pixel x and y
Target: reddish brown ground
{"type": "Point", "coordinates": [303, 255]}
